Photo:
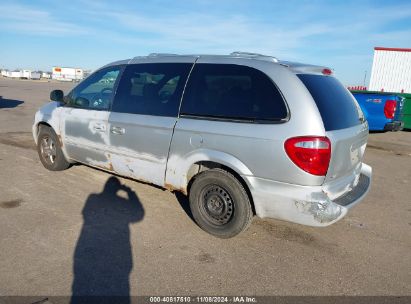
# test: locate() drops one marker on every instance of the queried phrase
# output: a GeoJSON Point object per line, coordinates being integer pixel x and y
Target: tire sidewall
{"type": "Point", "coordinates": [242, 208]}
{"type": "Point", "coordinates": [60, 162]}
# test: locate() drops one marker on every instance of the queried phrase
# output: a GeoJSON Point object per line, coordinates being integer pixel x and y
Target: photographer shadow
{"type": "Point", "coordinates": [9, 103]}
{"type": "Point", "coordinates": [103, 257]}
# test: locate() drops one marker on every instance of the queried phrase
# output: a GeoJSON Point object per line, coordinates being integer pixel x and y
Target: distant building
{"type": "Point", "coordinates": [391, 70]}
{"type": "Point", "coordinates": [67, 74]}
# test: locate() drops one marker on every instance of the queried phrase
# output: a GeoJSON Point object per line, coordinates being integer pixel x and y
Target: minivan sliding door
{"type": "Point", "coordinates": [143, 117]}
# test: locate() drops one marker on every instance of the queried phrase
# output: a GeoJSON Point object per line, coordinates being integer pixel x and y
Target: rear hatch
{"type": "Point", "coordinates": [345, 126]}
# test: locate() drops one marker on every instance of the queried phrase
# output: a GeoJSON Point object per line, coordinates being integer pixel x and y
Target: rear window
{"type": "Point", "coordinates": [233, 92]}
{"type": "Point", "coordinates": [338, 108]}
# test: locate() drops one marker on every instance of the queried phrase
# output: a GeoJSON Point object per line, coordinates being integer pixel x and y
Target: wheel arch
{"type": "Point", "coordinates": [201, 166]}
{"type": "Point", "coordinates": [55, 130]}
{"type": "Point", "coordinates": [42, 123]}
{"type": "Point", "coordinates": [36, 129]}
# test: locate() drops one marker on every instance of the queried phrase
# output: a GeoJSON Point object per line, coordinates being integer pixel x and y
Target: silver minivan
{"type": "Point", "coordinates": [241, 135]}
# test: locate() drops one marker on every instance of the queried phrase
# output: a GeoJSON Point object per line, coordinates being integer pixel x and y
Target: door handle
{"type": "Point", "coordinates": [99, 127]}
{"type": "Point", "coordinates": [118, 130]}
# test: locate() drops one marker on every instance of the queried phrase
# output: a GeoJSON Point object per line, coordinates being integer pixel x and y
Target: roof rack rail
{"type": "Point", "coordinates": [161, 54]}
{"type": "Point", "coordinates": [253, 55]}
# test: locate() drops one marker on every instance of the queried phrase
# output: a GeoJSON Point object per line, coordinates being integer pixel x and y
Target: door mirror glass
{"type": "Point", "coordinates": [57, 95]}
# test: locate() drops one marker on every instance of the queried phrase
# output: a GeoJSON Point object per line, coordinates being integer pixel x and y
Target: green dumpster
{"type": "Point", "coordinates": [406, 110]}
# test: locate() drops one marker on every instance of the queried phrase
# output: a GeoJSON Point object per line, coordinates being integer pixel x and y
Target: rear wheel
{"type": "Point", "coordinates": [49, 150]}
{"type": "Point", "coordinates": [219, 203]}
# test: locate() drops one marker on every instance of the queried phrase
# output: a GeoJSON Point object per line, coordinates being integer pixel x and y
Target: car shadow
{"type": "Point", "coordinates": [103, 257]}
{"type": "Point", "coordinates": [184, 203]}
{"type": "Point", "coordinates": [9, 103]}
{"type": "Point", "coordinates": [377, 131]}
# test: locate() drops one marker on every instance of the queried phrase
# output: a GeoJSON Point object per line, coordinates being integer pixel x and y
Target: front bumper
{"type": "Point", "coordinates": [307, 205]}
{"type": "Point", "coordinates": [394, 126]}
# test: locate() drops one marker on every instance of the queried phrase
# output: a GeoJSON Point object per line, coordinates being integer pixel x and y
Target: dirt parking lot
{"type": "Point", "coordinates": [59, 230]}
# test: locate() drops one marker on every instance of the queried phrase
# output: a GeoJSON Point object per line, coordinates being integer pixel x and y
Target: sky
{"type": "Point", "coordinates": [88, 34]}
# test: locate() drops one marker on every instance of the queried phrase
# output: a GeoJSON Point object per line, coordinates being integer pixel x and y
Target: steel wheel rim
{"type": "Point", "coordinates": [48, 150]}
{"type": "Point", "coordinates": [216, 205]}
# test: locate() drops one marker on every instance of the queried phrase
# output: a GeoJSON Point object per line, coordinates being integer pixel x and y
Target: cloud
{"type": "Point", "coordinates": [28, 20]}
{"type": "Point", "coordinates": [205, 33]}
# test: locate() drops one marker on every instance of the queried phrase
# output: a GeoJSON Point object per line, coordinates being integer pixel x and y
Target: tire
{"type": "Point", "coordinates": [220, 204]}
{"type": "Point", "coordinates": [49, 150]}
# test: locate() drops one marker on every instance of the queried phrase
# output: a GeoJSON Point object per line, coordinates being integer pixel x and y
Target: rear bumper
{"type": "Point", "coordinates": [394, 126]}
{"type": "Point", "coordinates": [307, 205]}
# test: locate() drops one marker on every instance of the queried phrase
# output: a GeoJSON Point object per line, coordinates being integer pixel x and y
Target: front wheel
{"type": "Point", "coordinates": [49, 150]}
{"type": "Point", "coordinates": [219, 203]}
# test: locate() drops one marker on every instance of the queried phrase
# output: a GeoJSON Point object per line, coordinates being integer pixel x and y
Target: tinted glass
{"type": "Point", "coordinates": [338, 108]}
{"type": "Point", "coordinates": [151, 89]}
{"type": "Point", "coordinates": [232, 92]}
{"type": "Point", "coordinates": [96, 91]}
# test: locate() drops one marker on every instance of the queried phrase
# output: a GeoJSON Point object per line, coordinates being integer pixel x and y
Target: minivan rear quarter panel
{"type": "Point", "coordinates": [237, 142]}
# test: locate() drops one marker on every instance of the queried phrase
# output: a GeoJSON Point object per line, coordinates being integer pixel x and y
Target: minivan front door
{"type": "Point", "coordinates": [84, 118]}
{"type": "Point", "coordinates": [143, 117]}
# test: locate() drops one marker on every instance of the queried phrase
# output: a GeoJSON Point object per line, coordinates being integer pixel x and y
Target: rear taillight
{"type": "Point", "coordinates": [389, 108]}
{"type": "Point", "coordinates": [310, 153]}
{"type": "Point", "coordinates": [327, 72]}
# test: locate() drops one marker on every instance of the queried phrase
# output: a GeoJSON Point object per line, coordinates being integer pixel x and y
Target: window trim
{"type": "Point", "coordinates": [121, 70]}
{"type": "Point", "coordinates": [236, 120]}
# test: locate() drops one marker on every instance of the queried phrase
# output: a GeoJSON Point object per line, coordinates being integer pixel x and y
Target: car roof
{"type": "Point", "coordinates": [296, 67]}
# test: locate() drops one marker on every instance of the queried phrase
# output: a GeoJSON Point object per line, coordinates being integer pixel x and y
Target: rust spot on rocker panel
{"type": "Point", "coordinates": [172, 188]}
{"type": "Point", "coordinates": [109, 167]}
{"type": "Point", "coordinates": [110, 164]}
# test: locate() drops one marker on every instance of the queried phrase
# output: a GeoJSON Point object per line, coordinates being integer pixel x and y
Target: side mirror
{"type": "Point", "coordinates": [57, 95]}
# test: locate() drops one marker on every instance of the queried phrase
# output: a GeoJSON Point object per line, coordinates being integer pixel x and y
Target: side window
{"type": "Point", "coordinates": [96, 91]}
{"type": "Point", "coordinates": [231, 91]}
{"type": "Point", "coordinates": [151, 89]}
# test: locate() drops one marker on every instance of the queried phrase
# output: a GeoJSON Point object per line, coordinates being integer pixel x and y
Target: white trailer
{"type": "Point", "coordinates": [67, 74]}
{"type": "Point", "coordinates": [391, 70]}
{"type": "Point", "coordinates": [35, 75]}
{"type": "Point", "coordinates": [25, 74]}
{"type": "Point", "coordinates": [4, 73]}
{"type": "Point", "coordinates": [14, 74]}
{"type": "Point", "coordinates": [45, 75]}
